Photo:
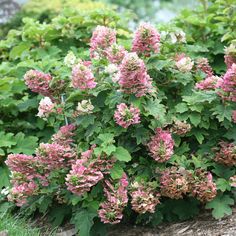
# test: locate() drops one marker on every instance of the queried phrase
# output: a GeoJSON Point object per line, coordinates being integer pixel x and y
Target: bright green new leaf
{"type": "Point", "coordinates": [24, 144]}
{"type": "Point", "coordinates": [221, 206]}
{"type": "Point", "coordinates": [116, 171]}
{"type": "Point", "coordinates": [122, 154]}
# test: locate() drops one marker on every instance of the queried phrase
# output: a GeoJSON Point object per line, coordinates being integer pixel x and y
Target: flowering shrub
{"type": "Point", "coordinates": [131, 136]}
{"type": "Point", "coordinates": [37, 47]}
{"type": "Point", "coordinates": [141, 137]}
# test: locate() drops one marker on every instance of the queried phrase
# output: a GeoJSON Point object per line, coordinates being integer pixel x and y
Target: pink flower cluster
{"type": "Point", "coordinates": [234, 116]}
{"type": "Point", "coordinates": [230, 55]}
{"type": "Point", "coordinates": [233, 181]}
{"type": "Point", "coordinates": [116, 200]}
{"type": "Point", "coordinates": [183, 63]}
{"type": "Point", "coordinates": [211, 82]}
{"type": "Point", "coordinates": [202, 186]}
{"type": "Point", "coordinates": [146, 40]}
{"type": "Point", "coordinates": [133, 77]}
{"type": "Point", "coordinates": [24, 171]}
{"type": "Point", "coordinates": [46, 107]}
{"type": "Point", "coordinates": [161, 145]}
{"type": "Point", "coordinates": [126, 116]}
{"type": "Point", "coordinates": [228, 85]}
{"type": "Point", "coordinates": [102, 38]}
{"type": "Point", "coordinates": [115, 53]}
{"type": "Point", "coordinates": [208, 83]}
{"type": "Point", "coordinates": [174, 183]}
{"type": "Point", "coordinates": [64, 136]}
{"type": "Point", "coordinates": [226, 154]}
{"type": "Point", "coordinates": [38, 82]}
{"type": "Point", "coordinates": [21, 163]}
{"type": "Point", "coordinates": [87, 172]}
{"type": "Point", "coordinates": [20, 192]}
{"type": "Point", "coordinates": [180, 127]}
{"type": "Point", "coordinates": [203, 65]}
{"type": "Point", "coordinates": [82, 77]}
{"type": "Point", "coordinates": [54, 156]}
{"type": "Point", "coordinates": [229, 61]}
{"type": "Point", "coordinates": [29, 173]}
{"type": "Point", "coordinates": [144, 197]}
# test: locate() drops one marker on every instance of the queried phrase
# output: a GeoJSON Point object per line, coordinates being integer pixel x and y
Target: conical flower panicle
{"type": "Point", "coordinates": [161, 145]}
{"type": "Point", "coordinates": [102, 38]}
{"type": "Point", "coordinates": [64, 136]}
{"type": "Point", "coordinates": [144, 197]}
{"type": "Point", "coordinates": [133, 77]}
{"type": "Point", "coordinates": [82, 77]}
{"type": "Point", "coordinates": [87, 172]}
{"type": "Point", "coordinates": [226, 154]}
{"type": "Point", "coordinates": [203, 65]}
{"type": "Point", "coordinates": [116, 200]}
{"type": "Point", "coordinates": [174, 183]}
{"type": "Point", "coordinates": [146, 40]}
{"type": "Point", "coordinates": [228, 85]}
{"type": "Point", "coordinates": [38, 82]}
{"type": "Point", "coordinates": [115, 53]}
{"type": "Point", "coordinates": [202, 186]}
{"type": "Point", "coordinates": [126, 116]}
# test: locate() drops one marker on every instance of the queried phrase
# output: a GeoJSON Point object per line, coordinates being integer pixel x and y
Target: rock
{"type": "Point", "coordinates": [69, 232]}
{"type": "Point", "coordinates": [204, 225]}
{"type": "Point", "coordinates": [4, 233]}
{"type": "Point", "coordinates": [7, 9]}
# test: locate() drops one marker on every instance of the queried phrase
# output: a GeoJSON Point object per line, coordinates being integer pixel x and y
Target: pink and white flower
{"type": "Point", "coordinates": [102, 38]}
{"type": "Point", "coordinates": [161, 145]}
{"type": "Point", "coordinates": [146, 40]}
{"type": "Point", "coordinates": [126, 116]}
{"type": "Point", "coordinates": [133, 77]}
{"type": "Point", "coordinates": [116, 200]}
{"type": "Point", "coordinates": [184, 63]}
{"type": "Point", "coordinates": [82, 77]}
{"type": "Point", "coordinates": [46, 107]}
{"type": "Point", "coordinates": [38, 82]}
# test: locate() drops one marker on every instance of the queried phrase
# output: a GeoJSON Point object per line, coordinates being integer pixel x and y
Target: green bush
{"type": "Point", "coordinates": [39, 46]}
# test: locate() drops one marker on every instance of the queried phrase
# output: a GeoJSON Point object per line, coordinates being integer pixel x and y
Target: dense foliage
{"type": "Point", "coordinates": [39, 46]}
{"type": "Point", "coordinates": [145, 127]}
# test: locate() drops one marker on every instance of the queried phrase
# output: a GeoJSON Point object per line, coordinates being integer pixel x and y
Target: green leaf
{"type": "Point", "coordinates": [222, 112]}
{"type": "Point", "coordinates": [122, 154]}
{"type": "Point", "coordinates": [4, 176]}
{"type": "Point", "coordinates": [200, 97]}
{"type": "Point", "coordinates": [198, 136]}
{"type": "Point", "coordinates": [221, 206]}
{"type": "Point", "coordinates": [108, 149]}
{"type": "Point", "coordinates": [155, 109]}
{"type": "Point", "coordinates": [2, 153]}
{"type": "Point", "coordinates": [17, 51]}
{"type": "Point", "coordinates": [116, 171]}
{"type": "Point", "coordinates": [106, 137]}
{"type": "Point", "coordinates": [75, 199]}
{"type": "Point", "coordinates": [195, 118]}
{"type": "Point", "coordinates": [141, 134]}
{"type": "Point", "coordinates": [181, 107]}
{"type": "Point", "coordinates": [57, 214]}
{"type": "Point", "coordinates": [7, 140]}
{"type": "Point", "coordinates": [85, 120]}
{"type": "Point", "coordinates": [28, 104]}
{"type": "Point", "coordinates": [24, 144]}
{"type": "Point", "coordinates": [83, 220]}
{"type": "Point", "coordinates": [222, 184]}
